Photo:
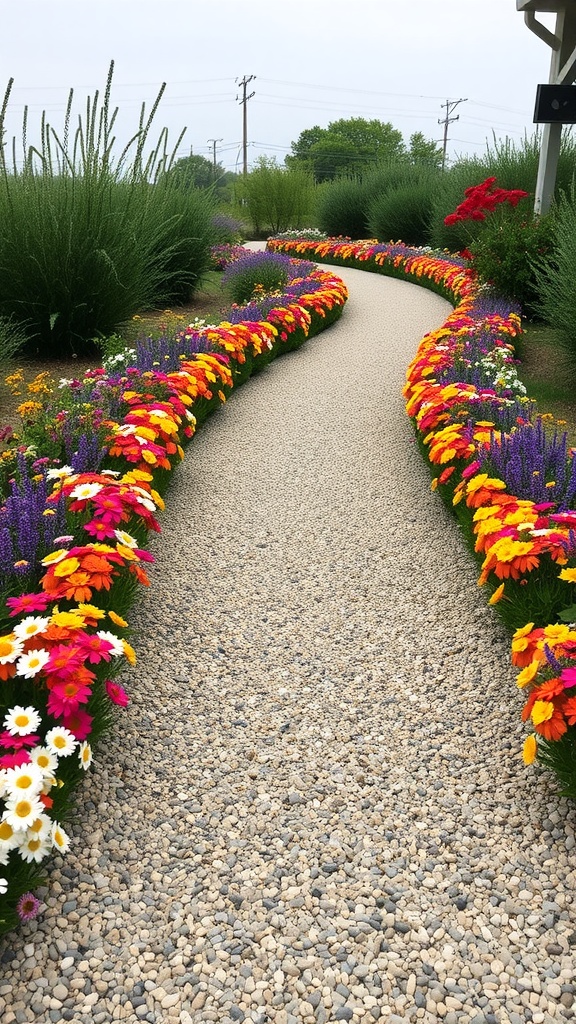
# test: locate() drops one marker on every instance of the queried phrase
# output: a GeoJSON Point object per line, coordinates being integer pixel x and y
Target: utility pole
{"type": "Point", "coordinates": [450, 106]}
{"type": "Point", "coordinates": [244, 103]}
{"type": "Point", "coordinates": [214, 141]}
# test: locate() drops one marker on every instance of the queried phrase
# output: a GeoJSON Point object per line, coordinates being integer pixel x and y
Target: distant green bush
{"type": "Point", "coordinates": [342, 208]}
{"type": "Point", "coordinates": [275, 198]}
{"type": "Point", "coordinates": [402, 213]}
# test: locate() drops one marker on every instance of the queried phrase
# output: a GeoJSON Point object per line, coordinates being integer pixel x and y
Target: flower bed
{"type": "Point", "coordinates": [506, 472]}
{"type": "Point", "coordinates": [80, 493]}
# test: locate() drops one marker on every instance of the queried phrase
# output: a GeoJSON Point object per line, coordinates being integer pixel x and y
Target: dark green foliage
{"type": "Point", "coordinates": [448, 193]}
{"type": "Point", "coordinates": [12, 339]}
{"type": "Point", "coordinates": [402, 213]}
{"type": "Point", "coordinates": [347, 146]}
{"type": "Point", "coordinates": [560, 757]}
{"type": "Point", "coordinates": [276, 198]}
{"type": "Point", "coordinates": [509, 244]}
{"type": "Point", "coordinates": [87, 241]}
{"type": "Point", "coordinates": [342, 208]}
{"type": "Point", "coordinates": [350, 206]}
{"type": "Point", "coordinates": [556, 274]}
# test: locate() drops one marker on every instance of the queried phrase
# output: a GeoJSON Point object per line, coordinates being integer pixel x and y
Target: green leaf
{"type": "Point", "coordinates": [568, 614]}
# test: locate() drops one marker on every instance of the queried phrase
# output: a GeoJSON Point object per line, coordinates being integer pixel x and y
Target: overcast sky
{"type": "Point", "coordinates": [314, 61]}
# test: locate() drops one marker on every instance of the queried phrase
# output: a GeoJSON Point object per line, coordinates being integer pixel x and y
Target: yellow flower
{"type": "Point", "coordinates": [117, 619]}
{"type": "Point", "coordinates": [497, 595]}
{"type": "Point", "coordinates": [527, 674]}
{"type": "Point", "coordinates": [542, 711]}
{"type": "Point", "coordinates": [67, 567]}
{"type": "Point", "coordinates": [129, 652]}
{"type": "Point", "coordinates": [67, 620]}
{"type": "Point", "coordinates": [55, 556]}
{"type": "Point", "coordinates": [92, 611]}
{"type": "Point", "coordinates": [530, 750]}
{"type": "Point", "coordinates": [569, 575]}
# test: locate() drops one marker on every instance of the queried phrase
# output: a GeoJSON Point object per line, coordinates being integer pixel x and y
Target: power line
{"type": "Point", "coordinates": [244, 103]}
{"type": "Point", "coordinates": [450, 106]}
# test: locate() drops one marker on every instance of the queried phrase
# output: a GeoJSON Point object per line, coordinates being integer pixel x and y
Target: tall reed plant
{"type": "Point", "coordinates": [89, 239]}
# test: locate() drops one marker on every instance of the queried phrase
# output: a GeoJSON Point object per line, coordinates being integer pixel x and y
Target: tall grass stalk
{"type": "Point", "coordinates": [89, 239]}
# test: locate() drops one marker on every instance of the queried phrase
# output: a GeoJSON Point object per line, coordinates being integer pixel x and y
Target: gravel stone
{"type": "Point", "coordinates": [306, 813]}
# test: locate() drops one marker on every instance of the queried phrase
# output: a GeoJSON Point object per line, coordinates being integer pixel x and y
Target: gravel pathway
{"type": "Point", "coordinates": [314, 809]}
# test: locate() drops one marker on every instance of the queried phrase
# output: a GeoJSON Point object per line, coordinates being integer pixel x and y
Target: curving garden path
{"type": "Point", "coordinates": [314, 809]}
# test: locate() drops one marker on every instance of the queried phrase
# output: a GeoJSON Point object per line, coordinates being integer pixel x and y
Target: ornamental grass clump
{"type": "Point", "coordinates": [87, 239]}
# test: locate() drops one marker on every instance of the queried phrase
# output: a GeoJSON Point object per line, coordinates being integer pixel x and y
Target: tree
{"type": "Point", "coordinates": [196, 171]}
{"type": "Point", "coordinates": [424, 152]}
{"type": "Point", "coordinates": [346, 146]}
{"type": "Point", "coordinates": [277, 197]}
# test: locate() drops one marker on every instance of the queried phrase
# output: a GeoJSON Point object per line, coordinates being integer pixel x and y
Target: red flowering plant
{"type": "Point", "coordinates": [505, 250]}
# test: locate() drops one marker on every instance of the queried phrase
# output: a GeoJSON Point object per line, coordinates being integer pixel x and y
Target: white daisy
{"type": "Point", "coordinates": [8, 839]}
{"type": "Point", "coordinates": [61, 741]}
{"type": "Point", "coordinates": [110, 472]}
{"type": "Point", "coordinates": [23, 780]}
{"type": "Point", "coordinates": [30, 664]}
{"type": "Point", "coordinates": [45, 760]}
{"type": "Point", "coordinates": [33, 848]}
{"type": "Point", "coordinates": [41, 827]}
{"type": "Point", "coordinates": [3, 886]}
{"type": "Point", "coordinates": [10, 649]}
{"type": "Point", "coordinates": [126, 539]}
{"type": "Point", "coordinates": [59, 838]}
{"type": "Point", "coordinates": [111, 638]}
{"type": "Point", "coordinates": [82, 492]}
{"type": "Point", "coordinates": [22, 811]}
{"type": "Point", "coordinates": [20, 721]}
{"type": "Point", "coordinates": [85, 755]}
{"type": "Point", "coordinates": [30, 626]}
{"type": "Point", "coordinates": [60, 473]}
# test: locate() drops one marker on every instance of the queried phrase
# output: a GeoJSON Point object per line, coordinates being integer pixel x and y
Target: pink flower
{"type": "Point", "coordinates": [28, 907]}
{"type": "Point", "coordinates": [18, 742]}
{"type": "Point", "coordinates": [65, 697]}
{"type": "Point", "coordinates": [471, 469]}
{"type": "Point", "coordinates": [568, 677]}
{"type": "Point", "coordinates": [79, 722]}
{"type": "Point", "coordinates": [28, 603]}
{"type": "Point", "coordinates": [15, 760]}
{"type": "Point", "coordinates": [93, 647]}
{"type": "Point", "coordinates": [117, 693]}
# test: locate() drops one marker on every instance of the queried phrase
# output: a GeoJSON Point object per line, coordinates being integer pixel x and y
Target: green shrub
{"type": "Point", "coordinates": [556, 274]}
{"type": "Point", "coordinates": [342, 208]}
{"type": "Point", "coordinates": [87, 241]}
{"type": "Point", "coordinates": [402, 214]}
{"type": "Point", "coordinates": [509, 244]}
{"type": "Point", "coordinates": [347, 206]}
{"type": "Point", "coordinates": [447, 194]}
{"type": "Point", "coordinates": [275, 198]}
{"type": "Point", "coordinates": [514, 165]}
{"type": "Point", "coordinates": [12, 339]}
